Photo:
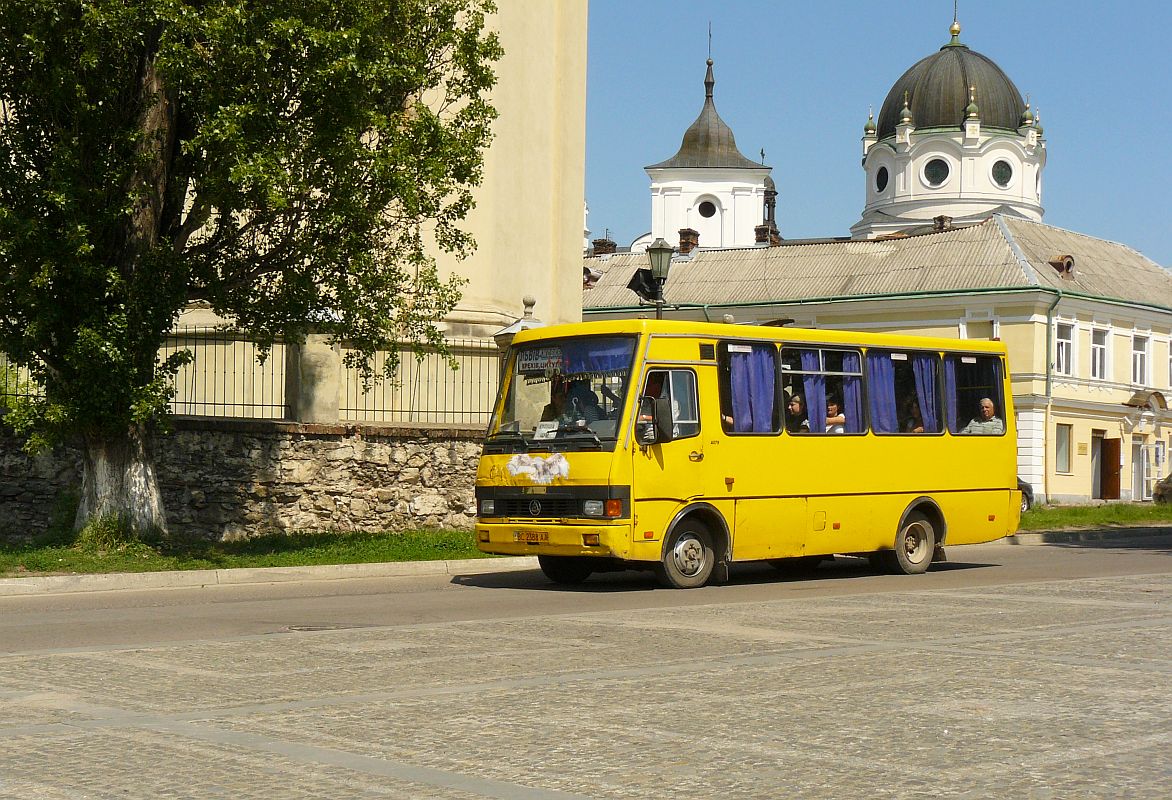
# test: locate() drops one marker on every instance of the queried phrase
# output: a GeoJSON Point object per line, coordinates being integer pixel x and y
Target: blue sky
{"type": "Point", "coordinates": [796, 78]}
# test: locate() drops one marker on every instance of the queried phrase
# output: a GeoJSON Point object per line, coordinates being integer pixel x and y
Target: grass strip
{"type": "Point", "coordinates": [1050, 518]}
{"type": "Point", "coordinates": [276, 550]}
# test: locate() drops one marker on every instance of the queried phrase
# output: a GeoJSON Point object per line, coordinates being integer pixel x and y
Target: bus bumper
{"type": "Point", "coordinates": [521, 538]}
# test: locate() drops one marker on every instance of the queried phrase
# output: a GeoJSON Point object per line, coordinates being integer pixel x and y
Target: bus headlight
{"type": "Point", "coordinates": [593, 508]}
{"type": "Point", "coordinates": [487, 508]}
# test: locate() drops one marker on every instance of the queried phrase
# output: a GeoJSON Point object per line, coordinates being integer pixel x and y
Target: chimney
{"type": "Point", "coordinates": [689, 240]}
{"type": "Point", "coordinates": [767, 234]}
{"type": "Point", "coordinates": [604, 247]}
{"type": "Point", "coordinates": [942, 223]}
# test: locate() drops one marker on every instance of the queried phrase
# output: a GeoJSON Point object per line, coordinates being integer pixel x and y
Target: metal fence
{"type": "Point", "coordinates": [428, 389]}
{"type": "Point", "coordinates": [224, 378]}
{"type": "Point", "coordinates": [14, 382]}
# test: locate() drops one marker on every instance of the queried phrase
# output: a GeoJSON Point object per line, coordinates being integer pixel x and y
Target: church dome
{"type": "Point", "coordinates": [938, 91]}
{"type": "Point", "coordinates": [709, 141]}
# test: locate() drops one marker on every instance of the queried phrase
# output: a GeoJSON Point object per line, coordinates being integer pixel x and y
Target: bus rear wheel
{"type": "Point", "coordinates": [914, 545]}
{"type": "Point", "coordinates": [565, 569]}
{"type": "Point", "coordinates": [689, 558]}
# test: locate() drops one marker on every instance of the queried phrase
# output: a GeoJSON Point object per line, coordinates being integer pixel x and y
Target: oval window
{"type": "Point", "coordinates": [936, 172]}
{"type": "Point", "coordinates": [707, 209]}
{"type": "Point", "coordinates": [1002, 173]}
{"type": "Point", "coordinates": [881, 179]}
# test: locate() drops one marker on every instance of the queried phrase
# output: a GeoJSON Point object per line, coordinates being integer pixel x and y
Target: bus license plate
{"type": "Point", "coordinates": [530, 536]}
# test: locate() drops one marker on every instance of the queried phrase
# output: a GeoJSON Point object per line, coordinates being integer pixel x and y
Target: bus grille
{"type": "Point", "coordinates": [546, 507]}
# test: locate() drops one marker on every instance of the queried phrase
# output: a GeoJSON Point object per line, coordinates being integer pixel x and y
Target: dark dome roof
{"type": "Point", "coordinates": [709, 141]}
{"type": "Point", "coordinates": [938, 89]}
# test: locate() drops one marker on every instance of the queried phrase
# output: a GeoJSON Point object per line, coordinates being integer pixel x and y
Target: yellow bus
{"type": "Point", "coordinates": [684, 447]}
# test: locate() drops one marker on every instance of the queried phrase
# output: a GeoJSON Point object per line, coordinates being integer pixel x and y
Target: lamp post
{"type": "Point", "coordinates": [660, 253]}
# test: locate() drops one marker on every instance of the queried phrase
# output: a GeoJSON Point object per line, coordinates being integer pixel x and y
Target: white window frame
{"type": "Point", "coordinates": [1064, 348]}
{"type": "Point", "coordinates": [1100, 354]}
{"type": "Point", "coordinates": [1139, 358]}
{"type": "Point", "coordinates": [1061, 452]}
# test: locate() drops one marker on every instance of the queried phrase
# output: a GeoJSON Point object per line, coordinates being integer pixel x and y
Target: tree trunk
{"type": "Point", "coordinates": [118, 480]}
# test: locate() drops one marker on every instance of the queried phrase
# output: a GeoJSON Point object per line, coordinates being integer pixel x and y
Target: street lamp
{"type": "Point", "coordinates": [660, 253]}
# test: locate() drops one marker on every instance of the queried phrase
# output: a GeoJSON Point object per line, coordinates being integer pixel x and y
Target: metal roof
{"type": "Point", "coordinates": [709, 141]}
{"type": "Point", "coordinates": [937, 88]}
{"type": "Point", "coordinates": [1002, 252]}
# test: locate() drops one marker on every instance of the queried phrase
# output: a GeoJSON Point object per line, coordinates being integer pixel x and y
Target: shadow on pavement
{"type": "Point", "coordinates": [841, 568]}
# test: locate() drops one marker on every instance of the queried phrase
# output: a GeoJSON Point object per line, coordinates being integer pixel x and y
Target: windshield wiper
{"type": "Point", "coordinates": [573, 434]}
{"type": "Point", "coordinates": [508, 437]}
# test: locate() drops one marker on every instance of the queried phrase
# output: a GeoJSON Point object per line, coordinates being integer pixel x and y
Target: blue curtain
{"type": "Point", "coordinates": [752, 376]}
{"type": "Point", "coordinates": [814, 387]}
{"type": "Point", "coordinates": [597, 356]}
{"type": "Point", "coordinates": [881, 380]}
{"type": "Point", "coordinates": [852, 394]}
{"type": "Point", "coordinates": [950, 394]}
{"type": "Point", "coordinates": [924, 368]}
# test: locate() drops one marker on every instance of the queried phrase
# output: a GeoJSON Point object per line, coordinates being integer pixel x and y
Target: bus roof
{"type": "Point", "coordinates": [774, 333]}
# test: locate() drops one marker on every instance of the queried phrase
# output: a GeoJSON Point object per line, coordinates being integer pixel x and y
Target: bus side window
{"type": "Point", "coordinates": [902, 392]}
{"type": "Point", "coordinates": [748, 388]}
{"type": "Point", "coordinates": [680, 386]}
{"type": "Point", "coordinates": [972, 384]}
{"type": "Point", "coordinates": [684, 407]}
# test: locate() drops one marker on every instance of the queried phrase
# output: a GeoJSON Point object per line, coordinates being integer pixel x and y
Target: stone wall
{"type": "Point", "coordinates": [227, 479]}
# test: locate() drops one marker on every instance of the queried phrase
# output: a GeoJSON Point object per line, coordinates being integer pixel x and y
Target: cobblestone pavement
{"type": "Point", "coordinates": [1043, 690]}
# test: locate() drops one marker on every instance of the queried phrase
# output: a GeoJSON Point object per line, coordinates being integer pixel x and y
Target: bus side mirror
{"type": "Point", "coordinates": [664, 424]}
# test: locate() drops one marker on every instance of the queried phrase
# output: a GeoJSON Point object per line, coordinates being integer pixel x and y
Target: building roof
{"type": "Point", "coordinates": [1003, 252]}
{"type": "Point", "coordinates": [709, 141]}
{"type": "Point", "coordinates": [938, 92]}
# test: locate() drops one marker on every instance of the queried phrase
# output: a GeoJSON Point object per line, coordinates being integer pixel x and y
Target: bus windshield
{"type": "Point", "coordinates": [563, 394]}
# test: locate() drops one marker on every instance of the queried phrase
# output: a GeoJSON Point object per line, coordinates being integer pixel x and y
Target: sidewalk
{"type": "Point", "coordinates": [193, 579]}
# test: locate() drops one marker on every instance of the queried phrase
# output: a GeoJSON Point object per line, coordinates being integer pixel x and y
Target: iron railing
{"type": "Point", "coordinates": [427, 389]}
{"type": "Point", "coordinates": [225, 378]}
{"type": "Point", "coordinates": [14, 382]}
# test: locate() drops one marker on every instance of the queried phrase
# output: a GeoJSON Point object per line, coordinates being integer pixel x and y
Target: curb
{"type": "Point", "coordinates": [199, 578]}
{"type": "Point", "coordinates": [1099, 535]}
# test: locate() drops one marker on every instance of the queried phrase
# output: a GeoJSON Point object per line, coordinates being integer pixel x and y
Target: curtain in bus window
{"type": "Point", "coordinates": [597, 356]}
{"type": "Point", "coordinates": [924, 369]}
{"type": "Point", "coordinates": [752, 376]}
{"type": "Point", "coordinates": [954, 424]}
{"type": "Point", "coordinates": [814, 387]}
{"type": "Point", "coordinates": [852, 394]}
{"type": "Point", "coordinates": [881, 380]}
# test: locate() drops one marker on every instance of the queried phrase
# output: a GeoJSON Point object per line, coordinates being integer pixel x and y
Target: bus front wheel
{"type": "Point", "coordinates": [689, 558]}
{"type": "Point", "coordinates": [914, 545]}
{"type": "Point", "coordinates": [565, 569]}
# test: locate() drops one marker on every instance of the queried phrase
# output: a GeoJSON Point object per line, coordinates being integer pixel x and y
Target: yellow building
{"type": "Point", "coordinates": [1087, 324]}
{"type": "Point", "coordinates": [527, 225]}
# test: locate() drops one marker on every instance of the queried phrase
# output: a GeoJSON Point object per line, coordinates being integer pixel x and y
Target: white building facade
{"type": "Point", "coordinates": [708, 186]}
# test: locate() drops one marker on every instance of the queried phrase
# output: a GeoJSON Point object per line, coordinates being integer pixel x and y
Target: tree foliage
{"type": "Point", "coordinates": [284, 161]}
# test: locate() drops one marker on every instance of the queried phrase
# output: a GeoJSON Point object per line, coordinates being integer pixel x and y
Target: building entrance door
{"type": "Point", "coordinates": [1097, 464]}
{"type": "Point", "coordinates": [1112, 467]}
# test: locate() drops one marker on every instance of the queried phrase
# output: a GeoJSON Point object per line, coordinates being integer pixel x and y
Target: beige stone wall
{"type": "Point", "coordinates": [226, 479]}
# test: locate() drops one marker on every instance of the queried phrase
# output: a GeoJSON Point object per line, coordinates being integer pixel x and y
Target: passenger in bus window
{"type": "Point", "coordinates": [986, 421]}
{"type": "Point", "coordinates": [835, 419]}
{"type": "Point", "coordinates": [913, 420]}
{"type": "Point", "coordinates": [583, 402]}
{"type": "Point", "coordinates": [795, 417]}
{"type": "Point", "coordinates": [557, 400]}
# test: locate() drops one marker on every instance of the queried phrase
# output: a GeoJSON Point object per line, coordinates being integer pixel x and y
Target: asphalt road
{"type": "Point", "coordinates": [145, 617]}
{"type": "Point", "coordinates": [1009, 671]}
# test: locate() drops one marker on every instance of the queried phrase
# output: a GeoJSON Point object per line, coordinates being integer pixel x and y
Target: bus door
{"type": "Point", "coordinates": [667, 474]}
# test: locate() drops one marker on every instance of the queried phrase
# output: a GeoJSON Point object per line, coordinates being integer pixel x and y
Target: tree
{"type": "Point", "coordinates": [285, 161]}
